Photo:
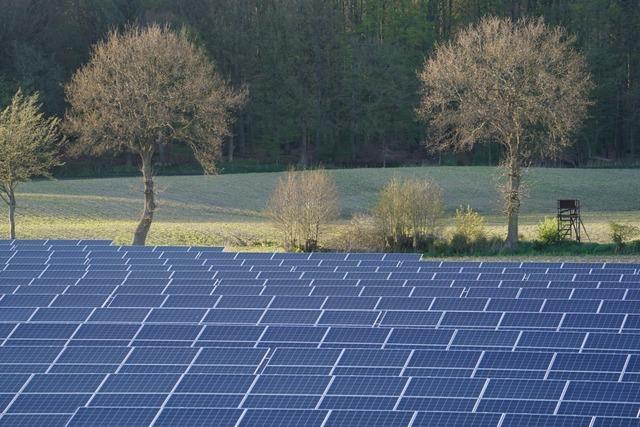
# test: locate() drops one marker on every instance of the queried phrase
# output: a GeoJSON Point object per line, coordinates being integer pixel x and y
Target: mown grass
{"type": "Point", "coordinates": [227, 209]}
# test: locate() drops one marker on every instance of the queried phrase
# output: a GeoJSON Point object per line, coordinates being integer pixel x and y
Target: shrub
{"type": "Point", "coordinates": [301, 206]}
{"type": "Point", "coordinates": [547, 232]}
{"type": "Point", "coordinates": [621, 234]}
{"type": "Point", "coordinates": [408, 213]}
{"type": "Point", "coordinates": [469, 223]}
{"type": "Point", "coordinates": [460, 244]}
{"type": "Point", "coordinates": [359, 235]}
{"type": "Point", "coordinates": [469, 236]}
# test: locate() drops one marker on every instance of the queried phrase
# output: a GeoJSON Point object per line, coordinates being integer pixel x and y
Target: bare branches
{"type": "Point", "coordinates": [301, 206]}
{"type": "Point", "coordinates": [146, 86]}
{"type": "Point", "coordinates": [499, 79]}
{"type": "Point", "coordinates": [29, 142]}
{"type": "Point", "coordinates": [409, 210]}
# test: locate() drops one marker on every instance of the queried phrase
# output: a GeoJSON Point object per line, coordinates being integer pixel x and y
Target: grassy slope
{"type": "Point", "coordinates": [226, 209]}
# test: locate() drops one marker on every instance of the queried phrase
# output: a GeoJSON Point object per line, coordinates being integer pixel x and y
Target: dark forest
{"type": "Point", "coordinates": [330, 82]}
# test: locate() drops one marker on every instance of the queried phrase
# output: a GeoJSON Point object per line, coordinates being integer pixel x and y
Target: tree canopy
{"type": "Point", "coordinates": [146, 87]}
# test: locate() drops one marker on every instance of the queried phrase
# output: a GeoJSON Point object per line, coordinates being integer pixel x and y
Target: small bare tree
{"type": "Point", "coordinates": [520, 84]}
{"type": "Point", "coordinates": [29, 146]}
{"type": "Point", "coordinates": [301, 206]}
{"type": "Point", "coordinates": [407, 211]}
{"type": "Point", "coordinates": [145, 88]}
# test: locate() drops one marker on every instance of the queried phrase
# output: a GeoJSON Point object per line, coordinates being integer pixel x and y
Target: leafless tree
{"type": "Point", "coordinates": [302, 205]}
{"type": "Point", "coordinates": [144, 88]}
{"type": "Point", "coordinates": [29, 146]}
{"type": "Point", "coordinates": [408, 210]}
{"type": "Point", "coordinates": [520, 84]}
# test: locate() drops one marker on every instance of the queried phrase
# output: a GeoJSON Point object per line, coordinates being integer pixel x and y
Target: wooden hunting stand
{"type": "Point", "coordinates": [569, 220]}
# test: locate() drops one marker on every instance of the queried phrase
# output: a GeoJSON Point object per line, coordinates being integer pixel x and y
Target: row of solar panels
{"type": "Point", "coordinates": [61, 248]}
{"type": "Point", "coordinates": [377, 305]}
{"type": "Point", "coordinates": [172, 416]}
{"type": "Point", "coordinates": [402, 393]}
{"type": "Point", "coordinates": [537, 366]}
{"type": "Point", "coordinates": [224, 335]}
{"type": "Point", "coordinates": [210, 278]}
{"type": "Point", "coordinates": [55, 242]}
{"type": "Point", "coordinates": [356, 297]}
{"type": "Point", "coordinates": [287, 272]}
{"type": "Point", "coordinates": [413, 288]}
{"type": "Point", "coordinates": [322, 261]}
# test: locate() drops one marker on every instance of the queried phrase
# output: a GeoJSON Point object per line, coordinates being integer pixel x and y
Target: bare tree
{"type": "Point", "coordinates": [145, 88]}
{"type": "Point", "coordinates": [408, 211]}
{"type": "Point", "coordinates": [520, 84]}
{"type": "Point", "coordinates": [29, 146]}
{"type": "Point", "coordinates": [301, 206]}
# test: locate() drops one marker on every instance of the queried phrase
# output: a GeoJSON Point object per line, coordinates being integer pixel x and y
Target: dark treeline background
{"type": "Point", "coordinates": [330, 81]}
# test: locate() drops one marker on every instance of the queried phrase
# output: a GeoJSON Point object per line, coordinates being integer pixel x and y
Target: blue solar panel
{"type": "Point", "coordinates": [551, 340]}
{"type": "Point", "coordinates": [471, 319]}
{"type": "Point", "coordinates": [457, 419]}
{"type": "Point", "coordinates": [479, 338]}
{"type": "Point", "coordinates": [420, 337]}
{"type": "Point", "coordinates": [508, 405]}
{"type": "Point", "coordinates": [107, 331]}
{"type": "Point", "coordinates": [93, 333]}
{"type": "Point", "coordinates": [229, 315]}
{"type": "Point", "coordinates": [291, 316]}
{"type": "Point", "coordinates": [113, 416]}
{"type": "Point", "coordinates": [445, 359]}
{"type": "Point", "coordinates": [411, 318]}
{"type": "Point", "coordinates": [369, 418]}
{"type": "Point", "coordinates": [48, 403]}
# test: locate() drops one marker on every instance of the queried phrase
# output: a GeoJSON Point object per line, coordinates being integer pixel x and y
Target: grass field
{"type": "Point", "coordinates": [227, 209]}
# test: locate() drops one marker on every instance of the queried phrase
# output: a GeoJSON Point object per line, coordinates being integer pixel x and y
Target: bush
{"type": "Point", "coordinates": [469, 223]}
{"type": "Point", "coordinates": [460, 244]}
{"type": "Point", "coordinates": [301, 206]}
{"type": "Point", "coordinates": [469, 236]}
{"type": "Point", "coordinates": [359, 235]}
{"type": "Point", "coordinates": [547, 232]}
{"type": "Point", "coordinates": [621, 234]}
{"type": "Point", "coordinates": [408, 213]}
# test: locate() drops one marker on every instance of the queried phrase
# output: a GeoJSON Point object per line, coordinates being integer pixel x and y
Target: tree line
{"type": "Point", "coordinates": [331, 81]}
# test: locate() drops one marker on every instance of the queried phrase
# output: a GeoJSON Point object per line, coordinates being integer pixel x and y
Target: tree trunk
{"type": "Point", "coordinates": [140, 235]}
{"type": "Point", "coordinates": [513, 202]}
{"type": "Point", "coordinates": [230, 148]}
{"type": "Point", "coordinates": [303, 149]}
{"type": "Point", "coordinates": [12, 214]}
{"type": "Point", "coordinates": [242, 135]}
{"type": "Point", "coordinates": [384, 153]}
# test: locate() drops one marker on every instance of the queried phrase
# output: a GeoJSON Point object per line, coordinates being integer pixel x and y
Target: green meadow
{"type": "Point", "coordinates": [228, 209]}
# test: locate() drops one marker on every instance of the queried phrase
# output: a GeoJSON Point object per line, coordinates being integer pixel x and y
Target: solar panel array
{"type": "Point", "coordinates": [97, 334]}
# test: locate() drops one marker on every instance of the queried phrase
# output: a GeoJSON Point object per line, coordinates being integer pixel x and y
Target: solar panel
{"type": "Point", "coordinates": [94, 333]}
